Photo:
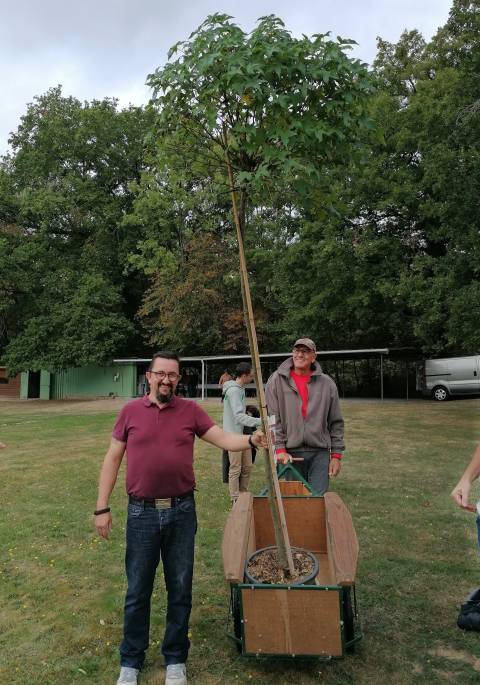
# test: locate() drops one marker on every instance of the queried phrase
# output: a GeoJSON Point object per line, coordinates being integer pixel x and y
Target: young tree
{"type": "Point", "coordinates": [266, 110]}
{"type": "Point", "coordinates": [192, 305]}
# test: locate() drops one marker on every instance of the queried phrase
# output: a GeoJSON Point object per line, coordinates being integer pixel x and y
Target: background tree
{"type": "Point", "coordinates": [398, 263]}
{"type": "Point", "coordinates": [431, 174]}
{"type": "Point", "coordinates": [63, 195]}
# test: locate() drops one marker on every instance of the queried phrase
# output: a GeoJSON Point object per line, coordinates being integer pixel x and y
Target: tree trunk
{"type": "Point", "coordinates": [274, 495]}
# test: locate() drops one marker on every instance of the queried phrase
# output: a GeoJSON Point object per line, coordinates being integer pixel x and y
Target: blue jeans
{"type": "Point", "coordinates": [151, 533]}
{"type": "Point", "coordinates": [313, 468]}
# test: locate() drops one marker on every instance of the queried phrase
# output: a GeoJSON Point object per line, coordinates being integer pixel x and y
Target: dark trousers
{"type": "Point", "coordinates": [151, 534]}
{"type": "Point", "coordinates": [313, 468]}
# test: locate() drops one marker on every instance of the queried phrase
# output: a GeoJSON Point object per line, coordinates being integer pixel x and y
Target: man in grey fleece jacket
{"type": "Point", "coordinates": [308, 421]}
{"type": "Point", "coordinates": [234, 420]}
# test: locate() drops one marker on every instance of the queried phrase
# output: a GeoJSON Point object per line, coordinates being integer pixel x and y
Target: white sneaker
{"type": "Point", "coordinates": [176, 674]}
{"type": "Point", "coordinates": [128, 676]}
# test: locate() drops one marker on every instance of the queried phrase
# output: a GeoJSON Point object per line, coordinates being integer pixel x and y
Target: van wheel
{"type": "Point", "coordinates": [439, 393]}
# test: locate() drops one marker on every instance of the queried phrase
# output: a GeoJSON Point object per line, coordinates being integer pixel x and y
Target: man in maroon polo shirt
{"type": "Point", "coordinates": [158, 432]}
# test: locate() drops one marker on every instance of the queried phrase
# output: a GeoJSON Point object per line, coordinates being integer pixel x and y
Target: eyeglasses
{"type": "Point", "coordinates": [172, 376]}
{"type": "Point", "coordinates": [303, 351]}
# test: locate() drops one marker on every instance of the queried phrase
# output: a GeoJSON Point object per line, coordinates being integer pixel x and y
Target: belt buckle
{"type": "Point", "coordinates": [165, 503]}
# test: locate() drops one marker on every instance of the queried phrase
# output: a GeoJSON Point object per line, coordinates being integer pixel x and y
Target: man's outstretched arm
{"type": "Point", "coordinates": [233, 442]}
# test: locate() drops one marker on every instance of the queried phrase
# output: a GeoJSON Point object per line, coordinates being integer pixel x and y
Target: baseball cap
{"type": "Point", "coordinates": [306, 342]}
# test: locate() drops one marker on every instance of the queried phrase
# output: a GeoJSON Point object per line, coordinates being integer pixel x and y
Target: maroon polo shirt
{"type": "Point", "coordinates": [160, 445]}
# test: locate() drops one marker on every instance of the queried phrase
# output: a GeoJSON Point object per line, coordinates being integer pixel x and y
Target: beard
{"type": "Point", "coordinates": [165, 398]}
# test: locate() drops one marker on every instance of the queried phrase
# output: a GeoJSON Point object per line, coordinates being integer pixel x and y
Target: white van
{"type": "Point", "coordinates": [441, 378]}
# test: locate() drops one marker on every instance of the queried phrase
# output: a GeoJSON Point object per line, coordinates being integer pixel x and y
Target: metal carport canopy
{"type": "Point", "coordinates": [370, 352]}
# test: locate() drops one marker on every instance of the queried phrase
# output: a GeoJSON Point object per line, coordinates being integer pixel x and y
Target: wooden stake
{"type": "Point", "coordinates": [285, 559]}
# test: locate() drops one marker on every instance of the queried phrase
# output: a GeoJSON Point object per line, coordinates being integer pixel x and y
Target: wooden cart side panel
{"type": "Point", "coordinates": [252, 542]}
{"type": "Point", "coordinates": [236, 538]}
{"type": "Point", "coordinates": [292, 621]}
{"type": "Point", "coordinates": [325, 575]}
{"type": "Point", "coordinates": [342, 539]}
{"type": "Point", "coordinates": [305, 520]}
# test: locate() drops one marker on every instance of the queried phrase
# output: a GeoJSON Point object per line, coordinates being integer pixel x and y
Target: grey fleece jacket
{"type": "Point", "coordinates": [234, 416]}
{"type": "Point", "coordinates": [323, 426]}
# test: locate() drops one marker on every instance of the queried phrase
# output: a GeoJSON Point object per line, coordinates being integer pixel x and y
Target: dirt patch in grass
{"type": "Point", "coordinates": [86, 406]}
{"type": "Point", "coordinates": [63, 406]}
{"type": "Point", "coordinates": [447, 676]}
{"type": "Point", "coordinates": [457, 655]}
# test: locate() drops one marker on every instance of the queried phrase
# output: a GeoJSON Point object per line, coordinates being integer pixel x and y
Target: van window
{"type": "Point", "coordinates": [463, 366]}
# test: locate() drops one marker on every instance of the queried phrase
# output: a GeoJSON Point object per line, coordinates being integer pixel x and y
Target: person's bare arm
{"type": "Point", "coordinates": [461, 491]}
{"type": "Point", "coordinates": [233, 442]}
{"type": "Point", "coordinates": [106, 483]}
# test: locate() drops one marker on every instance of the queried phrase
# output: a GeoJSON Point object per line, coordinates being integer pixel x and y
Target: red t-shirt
{"type": "Point", "coordinates": [301, 383]}
{"type": "Point", "coordinates": [160, 445]}
{"type": "Point", "coordinates": [302, 386]}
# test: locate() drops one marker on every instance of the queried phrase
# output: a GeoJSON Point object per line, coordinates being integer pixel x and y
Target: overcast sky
{"type": "Point", "coordinates": [98, 48]}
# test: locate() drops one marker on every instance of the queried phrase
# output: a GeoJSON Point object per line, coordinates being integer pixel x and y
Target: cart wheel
{"type": "Point", "coordinates": [348, 618]}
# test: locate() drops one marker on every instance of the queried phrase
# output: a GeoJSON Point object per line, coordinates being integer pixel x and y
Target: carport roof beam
{"type": "Point", "coordinates": [320, 353]}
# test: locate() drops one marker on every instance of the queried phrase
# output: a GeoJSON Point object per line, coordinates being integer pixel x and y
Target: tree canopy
{"type": "Point", "coordinates": [281, 107]}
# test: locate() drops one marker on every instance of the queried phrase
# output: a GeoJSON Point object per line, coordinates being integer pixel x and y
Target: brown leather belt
{"type": "Point", "coordinates": [160, 502]}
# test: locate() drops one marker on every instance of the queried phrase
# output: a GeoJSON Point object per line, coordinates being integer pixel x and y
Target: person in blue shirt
{"type": "Point", "coordinates": [235, 419]}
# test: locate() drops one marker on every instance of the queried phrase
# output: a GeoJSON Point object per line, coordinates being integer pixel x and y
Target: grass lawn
{"type": "Point", "coordinates": [61, 587]}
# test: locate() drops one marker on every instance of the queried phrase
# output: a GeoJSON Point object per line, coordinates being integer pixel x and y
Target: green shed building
{"type": "Point", "coordinates": [115, 380]}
